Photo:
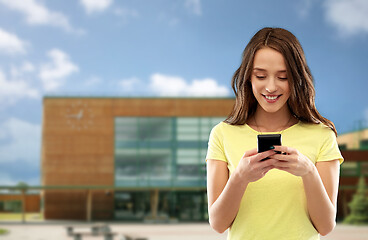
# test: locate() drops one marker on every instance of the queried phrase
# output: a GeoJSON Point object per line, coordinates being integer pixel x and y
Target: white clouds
{"type": "Point", "coordinates": [37, 14]}
{"type": "Point", "coordinates": [164, 85]}
{"type": "Point", "coordinates": [350, 17]}
{"type": "Point", "coordinates": [173, 86]}
{"type": "Point", "coordinates": [15, 89]}
{"type": "Point", "coordinates": [129, 84]}
{"type": "Point", "coordinates": [167, 85]}
{"type": "Point", "coordinates": [92, 6]}
{"type": "Point", "coordinates": [194, 6]}
{"type": "Point", "coordinates": [11, 44]}
{"type": "Point", "coordinates": [206, 87]}
{"type": "Point", "coordinates": [53, 74]}
{"type": "Point", "coordinates": [19, 72]}
{"type": "Point", "coordinates": [22, 141]}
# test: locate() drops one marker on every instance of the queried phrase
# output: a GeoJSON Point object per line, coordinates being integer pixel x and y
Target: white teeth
{"type": "Point", "coordinates": [271, 98]}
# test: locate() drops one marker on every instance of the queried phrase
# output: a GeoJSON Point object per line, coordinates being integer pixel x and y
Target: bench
{"type": "Point", "coordinates": [130, 237]}
{"type": "Point", "coordinates": [107, 235]}
{"type": "Point", "coordinates": [78, 231]}
{"type": "Point", "coordinates": [96, 229]}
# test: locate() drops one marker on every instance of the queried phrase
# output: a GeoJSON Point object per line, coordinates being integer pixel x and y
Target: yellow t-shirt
{"type": "Point", "coordinates": [275, 206]}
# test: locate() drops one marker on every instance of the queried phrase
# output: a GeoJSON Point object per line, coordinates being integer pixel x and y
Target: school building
{"type": "Point", "coordinates": [142, 159]}
{"type": "Point", "coordinates": [134, 159]}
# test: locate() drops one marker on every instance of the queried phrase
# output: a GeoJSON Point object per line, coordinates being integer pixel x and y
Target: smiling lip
{"type": "Point", "coordinates": [271, 98]}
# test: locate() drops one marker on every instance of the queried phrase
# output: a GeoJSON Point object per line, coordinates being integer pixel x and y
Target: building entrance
{"type": "Point", "coordinates": [164, 206]}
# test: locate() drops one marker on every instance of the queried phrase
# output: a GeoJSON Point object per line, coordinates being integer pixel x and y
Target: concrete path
{"type": "Point", "coordinates": [201, 231]}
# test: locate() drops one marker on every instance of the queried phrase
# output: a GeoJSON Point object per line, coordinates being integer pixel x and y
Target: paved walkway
{"type": "Point", "coordinates": [201, 231]}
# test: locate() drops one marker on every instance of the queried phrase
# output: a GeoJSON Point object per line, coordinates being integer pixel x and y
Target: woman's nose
{"type": "Point", "coordinates": [271, 86]}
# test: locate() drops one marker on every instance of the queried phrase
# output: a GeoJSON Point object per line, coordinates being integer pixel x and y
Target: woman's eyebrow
{"type": "Point", "coordinates": [264, 70]}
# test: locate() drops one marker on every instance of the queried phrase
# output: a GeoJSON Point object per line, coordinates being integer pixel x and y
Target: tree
{"type": "Point", "coordinates": [20, 185]}
{"type": "Point", "coordinates": [359, 205]}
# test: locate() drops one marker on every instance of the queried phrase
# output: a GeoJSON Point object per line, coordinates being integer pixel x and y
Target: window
{"type": "Point", "coordinates": [12, 206]}
{"type": "Point", "coordinates": [343, 147]}
{"type": "Point", "coordinates": [364, 144]}
{"type": "Point", "coordinates": [349, 169]}
{"type": "Point", "coordinates": [161, 151]}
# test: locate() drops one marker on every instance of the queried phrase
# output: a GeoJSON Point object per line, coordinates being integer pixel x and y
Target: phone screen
{"type": "Point", "coordinates": [265, 141]}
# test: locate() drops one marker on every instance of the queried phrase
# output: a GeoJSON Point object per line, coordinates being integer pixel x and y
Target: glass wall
{"type": "Point", "coordinates": [11, 206]}
{"type": "Point", "coordinates": [162, 152]}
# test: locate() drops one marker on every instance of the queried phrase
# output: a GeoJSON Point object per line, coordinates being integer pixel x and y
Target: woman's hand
{"type": "Point", "coordinates": [251, 168]}
{"type": "Point", "coordinates": [292, 161]}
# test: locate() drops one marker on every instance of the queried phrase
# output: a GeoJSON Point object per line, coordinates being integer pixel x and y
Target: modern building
{"type": "Point", "coordinates": [136, 158]}
{"type": "Point", "coordinates": [142, 159]}
{"type": "Point", "coordinates": [356, 140]}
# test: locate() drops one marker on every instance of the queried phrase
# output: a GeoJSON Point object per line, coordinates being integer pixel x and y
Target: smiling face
{"type": "Point", "coordinates": [270, 80]}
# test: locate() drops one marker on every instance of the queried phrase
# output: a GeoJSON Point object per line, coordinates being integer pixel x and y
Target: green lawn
{"type": "Point", "coordinates": [18, 217]}
{"type": "Point", "coordinates": [3, 231]}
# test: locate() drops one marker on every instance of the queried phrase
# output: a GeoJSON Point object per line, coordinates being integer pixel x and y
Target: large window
{"type": "Point", "coordinates": [11, 206]}
{"type": "Point", "coordinates": [161, 151]}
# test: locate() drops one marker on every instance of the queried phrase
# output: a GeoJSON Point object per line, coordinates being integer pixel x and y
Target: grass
{"type": "Point", "coordinates": [3, 231]}
{"type": "Point", "coordinates": [18, 217]}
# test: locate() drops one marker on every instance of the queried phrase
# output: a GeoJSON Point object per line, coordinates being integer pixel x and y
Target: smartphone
{"type": "Point", "coordinates": [265, 141]}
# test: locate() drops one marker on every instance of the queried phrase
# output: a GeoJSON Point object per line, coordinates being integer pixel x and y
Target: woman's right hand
{"type": "Point", "coordinates": [251, 168]}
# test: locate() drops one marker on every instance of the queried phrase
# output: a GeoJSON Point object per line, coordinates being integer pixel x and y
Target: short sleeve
{"type": "Point", "coordinates": [329, 150]}
{"type": "Point", "coordinates": [215, 149]}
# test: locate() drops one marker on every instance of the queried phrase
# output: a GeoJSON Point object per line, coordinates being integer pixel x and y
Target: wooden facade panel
{"type": "Point", "coordinates": [355, 155]}
{"type": "Point", "coordinates": [82, 145]}
{"type": "Point", "coordinates": [72, 205]}
{"type": "Point", "coordinates": [77, 116]}
{"type": "Point", "coordinates": [79, 178]}
{"type": "Point", "coordinates": [79, 169]}
{"type": "Point", "coordinates": [140, 107]}
{"type": "Point", "coordinates": [172, 107]}
{"type": "Point", "coordinates": [61, 160]}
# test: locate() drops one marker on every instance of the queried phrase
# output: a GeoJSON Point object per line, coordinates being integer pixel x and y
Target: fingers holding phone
{"type": "Point", "coordinates": [251, 168]}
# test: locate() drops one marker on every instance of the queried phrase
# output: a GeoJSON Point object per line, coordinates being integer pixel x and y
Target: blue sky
{"type": "Point", "coordinates": [162, 48]}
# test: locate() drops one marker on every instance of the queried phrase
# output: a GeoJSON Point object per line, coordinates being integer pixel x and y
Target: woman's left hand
{"type": "Point", "coordinates": [292, 161]}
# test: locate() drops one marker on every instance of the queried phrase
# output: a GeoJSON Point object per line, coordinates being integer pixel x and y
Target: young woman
{"type": "Point", "coordinates": [293, 194]}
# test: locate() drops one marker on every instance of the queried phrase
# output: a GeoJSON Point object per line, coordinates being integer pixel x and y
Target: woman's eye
{"type": "Point", "coordinates": [261, 77]}
{"type": "Point", "coordinates": [283, 78]}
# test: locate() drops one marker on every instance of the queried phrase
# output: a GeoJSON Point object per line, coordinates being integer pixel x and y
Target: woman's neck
{"type": "Point", "coordinates": [272, 122]}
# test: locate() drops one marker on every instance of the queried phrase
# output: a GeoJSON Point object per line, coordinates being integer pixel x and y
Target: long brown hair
{"type": "Point", "coordinates": [302, 98]}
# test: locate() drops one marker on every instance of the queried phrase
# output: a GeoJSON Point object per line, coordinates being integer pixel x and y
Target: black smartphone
{"type": "Point", "coordinates": [265, 141]}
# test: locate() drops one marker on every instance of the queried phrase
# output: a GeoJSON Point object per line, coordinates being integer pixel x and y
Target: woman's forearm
{"type": "Point", "coordinates": [320, 207]}
{"type": "Point", "coordinates": [224, 210]}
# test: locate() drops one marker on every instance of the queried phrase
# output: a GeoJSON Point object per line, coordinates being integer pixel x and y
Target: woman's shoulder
{"type": "Point", "coordinates": [219, 127]}
{"type": "Point", "coordinates": [317, 129]}
{"type": "Point", "coordinates": [225, 128]}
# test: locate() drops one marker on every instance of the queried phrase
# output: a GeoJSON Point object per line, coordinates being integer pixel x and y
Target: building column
{"type": "Point", "coordinates": [23, 205]}
{"type": "Point", "coordinates": [89, 205]}
{"type": "Point", "coordinates": [154, 198]}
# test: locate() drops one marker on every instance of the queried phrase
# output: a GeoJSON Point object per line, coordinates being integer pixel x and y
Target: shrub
{"type": "Point", "coordinates": [359, 205]}
{"type": "Point", "coordinates": [3, 231]}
